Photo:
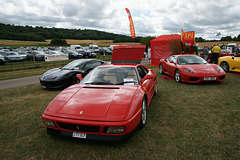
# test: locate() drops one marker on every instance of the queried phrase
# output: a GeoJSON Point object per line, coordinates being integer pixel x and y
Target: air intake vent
{"type": "Point", "coordinates": [101, 87]}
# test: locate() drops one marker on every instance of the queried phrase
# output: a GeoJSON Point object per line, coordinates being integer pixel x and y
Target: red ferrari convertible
{"type": "Point", "coordinates": [191, 69]}
{"type": "Point", "coordinates": [109, 103]}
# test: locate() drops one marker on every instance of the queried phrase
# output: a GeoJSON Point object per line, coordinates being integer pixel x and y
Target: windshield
{"type": "Point", "coordinates": [225, 51]}
{"type": "Point", "coordinates": [21, 53]}
{"type": "Point", "coordinates": [75, 65]}
{"type": "Point", "coordinates": [38, 52]}
{"type": "Point", "coordinates": [182, 60]}
{"type": "Point", "coordinates": [11, 54]}
{"type": "Point", "coordinates": [112, 76]}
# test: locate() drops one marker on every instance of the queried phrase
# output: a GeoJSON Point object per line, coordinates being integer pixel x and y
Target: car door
{"type": "Point", "coordinates": [171, 65]}
{"type": "Point", "coordinates": [147, 84]}
{"type": "Point", "coordinates": [235, 62]}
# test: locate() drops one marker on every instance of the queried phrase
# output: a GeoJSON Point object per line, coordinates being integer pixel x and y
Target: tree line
{"type": "Point", "coordinates": [29, 33]}
{"type": "Point", "coordinates": [227, 38]}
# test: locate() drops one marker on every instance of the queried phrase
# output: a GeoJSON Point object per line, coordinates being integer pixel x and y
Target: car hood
{"type": "Point", "coordinates": [92, 102]}
{"type": "Point", "coordinates": [202, 68]}
{"type": "Point", "coordinates": [54, 74]}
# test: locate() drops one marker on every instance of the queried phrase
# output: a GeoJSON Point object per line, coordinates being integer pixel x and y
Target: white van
{"type": "Point", "coordinates": [111, 47]}
{"type": "Point", "coordinates": [230, 46]}
{"type": "Point", "coordinates": [75, 47]}
{"type": "Point", "coordinates": [93, 48]}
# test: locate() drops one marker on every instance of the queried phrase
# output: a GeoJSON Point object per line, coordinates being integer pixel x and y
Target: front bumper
{"type": "Point", "coordinates": [54, 84]}
{"type": "Point", "coordinates": [89, 136]}
{"type": "Point", "coordinates": [192, 78]}
{"type": "Point", "coordinates": [94, 130]}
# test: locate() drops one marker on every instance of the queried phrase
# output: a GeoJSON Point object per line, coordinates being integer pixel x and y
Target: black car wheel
{"type": "Point", "coordinates": [160, 69]}
{"type": "Point", "coordinates": [2, 62]}
{"type": "Point", "coordinates": [143, 114]}
{"type": "Point", "coordinates": [177, 76]}
{"type": "Point", "coordinates": [156, 89]}
{"type": "Point", "coordinates": [224, 66]}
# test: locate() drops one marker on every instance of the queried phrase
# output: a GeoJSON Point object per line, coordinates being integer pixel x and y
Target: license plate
{"type": "Point", "coordinates": [79, 135]}
{"type": "Point", "coordinates": [209, 78]}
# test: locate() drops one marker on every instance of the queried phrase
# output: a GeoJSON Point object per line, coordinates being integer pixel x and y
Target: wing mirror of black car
{"type": "Point", "coordinates": [79, 76]}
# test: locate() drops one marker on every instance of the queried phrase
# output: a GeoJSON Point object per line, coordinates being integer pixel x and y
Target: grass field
{"type": "Point", "coordinates": [184, 121]}
{"type": "Point", "coordinates": [102, 43]}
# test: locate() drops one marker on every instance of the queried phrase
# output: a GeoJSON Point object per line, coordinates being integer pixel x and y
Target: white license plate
{"type": "Point", "coordinates": [210, 78]}
{"type": "Point", "coordinates": [79, 135]}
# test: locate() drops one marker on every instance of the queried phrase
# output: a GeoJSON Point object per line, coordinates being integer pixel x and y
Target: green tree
{"type": "Point", "coordinates": [58, 42]}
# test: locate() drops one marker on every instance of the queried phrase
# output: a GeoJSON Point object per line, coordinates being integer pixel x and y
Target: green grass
{"type": "Point", "coordinates": [185, 121]}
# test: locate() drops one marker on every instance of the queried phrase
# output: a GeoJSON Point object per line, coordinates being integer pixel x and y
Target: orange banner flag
{"type": "Point", "coordinates": [131, 23]}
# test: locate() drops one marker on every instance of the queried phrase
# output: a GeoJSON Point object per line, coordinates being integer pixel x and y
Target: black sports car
{"type": "Point", "coordinates": [63, 77]}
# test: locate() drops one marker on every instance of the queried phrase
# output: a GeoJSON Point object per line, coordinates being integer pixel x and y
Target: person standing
{"type": "Point", "coordinates": [205, 52]}
{"type": "Point", "coordinates": [215, 54]}
{"type": "Point", "coordinates": [149, 54]}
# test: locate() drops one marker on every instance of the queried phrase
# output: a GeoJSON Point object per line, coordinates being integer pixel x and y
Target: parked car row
{"type": "Point", "coordinates": [39, 54]}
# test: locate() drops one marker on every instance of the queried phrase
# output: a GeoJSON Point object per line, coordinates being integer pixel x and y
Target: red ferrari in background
{"type": "Point", "coordinates": [191, 69]}
{"type": "Point", "coordinates": [109, 103]}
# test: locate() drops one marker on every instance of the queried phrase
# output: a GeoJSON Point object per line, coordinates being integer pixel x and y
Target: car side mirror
{"type": "Point", "coordinates": [148, 76]}
{"type": "Point", "coordinates": [233, 57]}
{"type": "Point", "coordinates": [79, 76]}
{"type": "Point", "coordinates": [171, 61]}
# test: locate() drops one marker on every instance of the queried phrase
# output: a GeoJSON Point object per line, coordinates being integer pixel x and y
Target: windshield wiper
{"type": "Point", "coordinates": [195, 63]}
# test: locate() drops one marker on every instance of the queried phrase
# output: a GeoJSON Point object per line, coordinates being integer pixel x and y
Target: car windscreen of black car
{"type": "Point", "coordinates": [75, 65]}
{"type": "Point", "coordinates": [91, 65]}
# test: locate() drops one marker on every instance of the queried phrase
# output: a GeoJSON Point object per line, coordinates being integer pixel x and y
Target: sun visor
{"type": "Point", "coordinates": [128, 54]}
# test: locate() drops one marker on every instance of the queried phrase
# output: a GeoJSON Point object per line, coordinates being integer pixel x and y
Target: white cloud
{"type": "Point", "coordinates": [155, 17]}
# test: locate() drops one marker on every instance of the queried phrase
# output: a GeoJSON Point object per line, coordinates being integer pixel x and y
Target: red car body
{"type": "Point", "coordinates": [101, 111]}
{"type": "Point", "coordinates": [189, 71]}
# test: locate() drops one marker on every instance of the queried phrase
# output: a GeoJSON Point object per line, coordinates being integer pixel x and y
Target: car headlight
{"type": "Point", "coordinates": [189, 70]}
{"type": "Point", "coordinates": [115, 130]}
{"type": "Point", "coordinates": [49, 123]}
{"type": "Point", "coordinates": [219, 69]}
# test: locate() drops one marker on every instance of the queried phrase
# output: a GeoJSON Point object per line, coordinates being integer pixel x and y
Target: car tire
{"type": "Point", "coordinates": [224, 66]}
{"type": "Point", "coordinates": [177, 76]}
{"type": "Point", "coordinates": [156, 89]}
{"type": "Point", "coordinates": [160, 69]}
{"type": "Point", "coordinates": [143, 114]}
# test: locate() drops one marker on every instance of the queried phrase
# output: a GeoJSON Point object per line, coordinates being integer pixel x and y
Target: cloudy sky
{"type": "Point", "coordinates": [150, 17]}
